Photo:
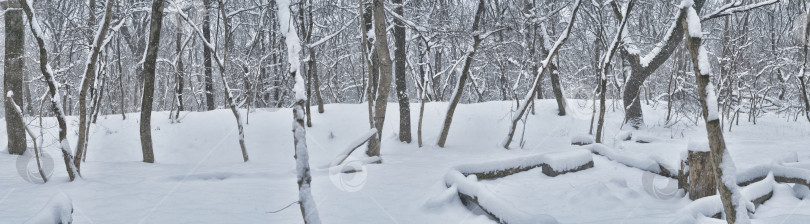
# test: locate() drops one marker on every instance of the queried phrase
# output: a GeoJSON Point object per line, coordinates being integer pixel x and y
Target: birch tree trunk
{"type": "Point", "coordinates": [309, 210]}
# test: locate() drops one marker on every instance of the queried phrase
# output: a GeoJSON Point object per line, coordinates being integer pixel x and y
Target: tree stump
{"type": "Point", "coordinates": [701, 176]}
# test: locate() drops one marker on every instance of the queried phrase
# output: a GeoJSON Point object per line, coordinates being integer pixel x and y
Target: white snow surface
{"type": "Point", "coordinates": [59, 209]}
{"type": "Point", "coordinates": [199, 175]}
{"type": "Point", "coordinates": [699, 146]}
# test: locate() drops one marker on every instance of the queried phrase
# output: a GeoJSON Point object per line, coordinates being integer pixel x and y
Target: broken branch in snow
{"type": "Point", "coordinates": [352, 146]}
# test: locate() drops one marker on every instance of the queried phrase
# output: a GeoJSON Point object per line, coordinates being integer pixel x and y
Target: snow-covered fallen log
{"type": "Point", "coordinates": [645, 164]}
{"type": "Point", "coordinates": [475, 196]}
{"type": "Point", "coordinates": [781, 174]}
{"type": "Point", "coordinates": [463, 180]}
{"type": "Point", "coordinates": [758, 192]}
{"type": "Point", "coordinates": [553, 164]}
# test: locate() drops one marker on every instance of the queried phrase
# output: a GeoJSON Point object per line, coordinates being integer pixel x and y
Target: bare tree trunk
{"type": "Point", "coordinates": [639, 71]}
{"type": "Point", "coordinates": [733, 202]}
{"type": "Point", "coordinates": [381, 102]}
{"type": "Point", "coordinates": [309, 210]}
{"type": "Point", "coordinates": [89, 79]}
{"type": "Point", "coordinates": [556, 87]}
{"type": "Point", "coordinates": [13, 78]}
{"type": "Point", "coordinates": [399, 66]}
{"type": "Point", "coordinates": [529, 98]}
{"type": "Point", "coordinates": [209, 78]}
{"type": "Point", "coordinates": [149, 80]}
{"type": "Point", "coordinates": [180, 68]}
{"type": "Point", "coordinates": [228, 97]}
{"type": "Point", "coordinates": [462, 80]}
{"type": "Point", "coordinates": [120, 78]}
{"type": "Point", "coordinates": [53, 90]}
{"type": "Point", "coordinates": [604, 65]}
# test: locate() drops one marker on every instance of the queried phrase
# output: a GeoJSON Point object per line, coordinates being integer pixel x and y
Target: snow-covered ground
{"type": "Point", "coordinates": [199, 176]}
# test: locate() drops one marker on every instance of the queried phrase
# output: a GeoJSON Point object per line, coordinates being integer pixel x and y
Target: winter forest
{"type": "Point", "coordinates": [405, 111]}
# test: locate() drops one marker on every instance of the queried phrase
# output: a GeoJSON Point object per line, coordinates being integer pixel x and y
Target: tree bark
{"type": "Point", "coordinates": [529, 98]}
{"type": "Point", "coordinates": [149, 80]}
{"type": "Point", "coordinates": [462, 80]}
{"type": "Point", "coordinates": [53, 90]}
{"type": "Point", "coordinates": [399, 66]}
{"type": "Point", "coordinates": [639, 72]}
{"type": "Point", "coordinates": [89, 79]}
{"type": "Point", "coordinates": [309, 209]}
{"type": "Point", "coordinates": [120, 78]}
{"type": "Point", "coordinates": [556, 87]}
{"type": "Point", "coordinates": [13, 78]}
{"type": "Point", "coordinates": [604, 65]}
{"type": "Point", "coordinates": [380, 103]}
{"type": "Point", "coordinates": [700, 184]}
{"type": "Point", "coordinates": [209, 78]}
{"type": "Point", "coordinates": [180, 67]}
{"type": "Point", "coordinates": [726, 183]}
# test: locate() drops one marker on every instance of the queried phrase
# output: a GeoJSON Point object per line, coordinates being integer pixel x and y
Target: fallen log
{"type": "Point", "coordinates": [464, 178]}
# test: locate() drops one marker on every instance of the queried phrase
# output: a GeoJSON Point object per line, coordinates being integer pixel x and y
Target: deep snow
{"type": "Point", "coordinates": [199, 176]}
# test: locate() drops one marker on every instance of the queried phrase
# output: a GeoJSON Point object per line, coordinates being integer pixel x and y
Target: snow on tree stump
{"type": "Point", "coordinates": [700, 182]}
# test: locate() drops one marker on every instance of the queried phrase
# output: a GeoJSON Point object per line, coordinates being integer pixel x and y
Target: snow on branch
{"type": "Point", "coordinates": [330, 36]}
{"type": "Point", "coordinates": [735, 7]}
{"type": "Point", "coordinates": [605, 62]}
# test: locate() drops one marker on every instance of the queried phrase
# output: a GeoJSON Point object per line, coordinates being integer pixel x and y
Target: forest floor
{"type": "Point", "coordinates": [199, 176]}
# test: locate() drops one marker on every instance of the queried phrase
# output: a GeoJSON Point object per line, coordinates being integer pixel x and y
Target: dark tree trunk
{"type": "Point", "coordinates": [120, 77]}
{"type": "Point", "coordinates": [399, 65]}
{"type": "Point", "coordinates": [180, 67]}
{"type": "Point", "coordinates": [149, 80]}
{"type": "Point", "coordinates": [640, 72]}
{"type": "Point", "coordinates": [13, 79]}
{"type": "Point", "coordinates": [556, 86]}
{"type": "Point", "coordinates": [209, 79]}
